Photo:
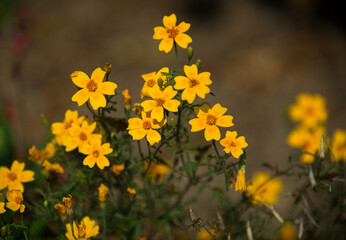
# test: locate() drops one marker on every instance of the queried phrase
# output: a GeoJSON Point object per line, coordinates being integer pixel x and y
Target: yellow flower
{"type": "Point", "coordinates": [240, 184]}
{"type": "Point", "coordinates": [14, 177]}
{"type": "Point", "coordinates": [92, 88]}
{"type": "Point", "coordinates": [55, 167]}
{"type": "Point", "coordinates": [117, 168]}
{"type": "Point", "coordinates": [309, 140]}
{"type": "Point", "coordinates": [34, 155]}
{"type": "Point", "coordinates": [160, 100]}
{"type": "Point", "coordinates": [151, 80]}
{"type": "Point", "coordinates": [171, 33]}
{"type": "Point", "coordinates": [49, 150]}
{"type": "Point", "coordinates": [2, 207]}
{"type": "Point", "coordinates": [15, 200]}
{"type": "Point", "coordinates": [264, 189]}
{"type": "Point", "coordinates": [233, 144]}
{"type": "Point", "coordinates": [85, 230]}
{"type": "Point", "coordinates": [60, 129]}
{"type": "Point", "coordinates": [44, 154]}
{"type": "Point", "coordinates": [204, 235]}
{"type": "Point", "coordinates": [339, 145]}
{"type": "Point", "coordinates": [193, 83]}
{"type": "Point", "coordinates": [103, 190]}
{"type": "Point", "coordinates": [209, 119]}
{"type": "Point", "coordinates": [309, 109]}
{"type": "Point", "coordinates": [96, 153]}
{"type": "Point", "coordinates": [127, 96]}
{"type": "Point", "coordinates": [287, 231]}
{"type": "Point", "coordinates": [139, 128]}
{"type": "Point", "coordinates": [157, 170]}
{"type": "Point", "coordinates": [80, 135]}
{"type": "Point", "coordinates": [61, 208]}
{"type": "Point", "coordinates": [131, 191]}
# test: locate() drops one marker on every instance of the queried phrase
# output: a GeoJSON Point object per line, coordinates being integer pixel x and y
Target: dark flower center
{"type": "Point", "coordinates": [12, 176]}
{"type": "Point", "coordinates": [151, 82]}
{"type": "Point", "coordinates": [146, 125]}
{"type": "Point", "coordinates": [96, 153]}
{"type": "Point", "coordinates": [92, 86]}
{"type": "Point", "coordinates": [211, 119]}
{"type": "Point", "coordinates": [172, 32]}
{"type": "Point", "coordinates": [193, 82]}
{"type": "Point", "coordinates": [83, 136]}
{"type": "Point", "coordinates": [160, 101]}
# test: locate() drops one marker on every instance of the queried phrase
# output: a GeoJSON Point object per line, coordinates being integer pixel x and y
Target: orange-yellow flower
{"type": "Point", "coordinates": [160, 100]}
{"type": "Point", "coordinates": [118, 168]}
{"type": "Point", "coordinates": [240, 184]}
{"type": "Point", "coordinates": [139, 128]}
{"type": "Point", "coordinates": [80, 135]}
{"type": "Point", "coordinates": [131, 191]}
{"type": "Point", "coordinates": [157, 170]}
{"type": "Point", "coordinates": [309, 109]}
{"type": "Point", "coordinates": [264, 189]}
{"type": "Point", "coordinates": [55, 167]}
{"type": "Point", "coordinates": [151, 80]}
{"type": "Point", "coordinates": [60, 129]}
{"type": "Point", "coordinates": [61, 208]}
{"type": "Point", "coordinates": [2, 207]}
{"type": "Point", "coordinates": [204, 235]}
{"type": "Point", "coordinates": [92, 88]}
{"type": "Point", "coordinates": [38, 156]}
{"type": "Point", "coordinates": [287, 231]}
{"type": "Point", "coordinates": [85, 230]}
{"type": "Point", "coordinates": [15, 200]}
{"type": "Point", "coordinates": [171, 33]}
{"type": "Point", "coordinates": [103, 190]}
{"type": "Point", "coordinates": [233, 144]}
{"type": "Point", "coordinates": [127, 96]}
{"type": "Point", "coordinates": [96, 153]}
{"type": "Point", "coordinates": [193, 83]}
{"type": "Point", "coordinates": [339, 145]}
{"type": "Point", "coordinates": [14, 177]}
{"type": "Point", "coordinates": [209, 119]}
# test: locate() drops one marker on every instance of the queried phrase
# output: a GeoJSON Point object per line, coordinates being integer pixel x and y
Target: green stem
{"type": "Point", "coordinates": [90, 110]}
{"type": "Point", "coordinates": [24, 228]}
{"type": "Point", "coordinates": [104, 223]}
{"type": "Point", "coordinates": [140, 149]}
{"type": "Point", "coordinates": [176, 57]}
{"type": "Point", "coordinates": [217, 152]}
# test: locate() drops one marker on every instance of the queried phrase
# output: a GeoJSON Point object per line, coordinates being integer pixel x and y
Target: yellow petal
{"type": "Point", "coordinates": [153, 136]}
{"type": "Point", "coordinates": [236, 152]}
{"type": "Point", "coordinates": [204, 78]}
{"type": "Point", "coordinates": [171, 105]}
{"type": "Point", "coordinates": [157, 113]}
{"type": "Point", "coordinates": [160, 32]}
{"type": "Point", "coordinates": [202, 111]}
{"type": "Point", "coordinates": [218, 110]}
{"type": "Point", "coordinates": [22, 208]}
{"type": "Point", "coordinates": [189, 95]}
{"type": "Point", "coordinates": [138, 133]}
{"type": "Point", "coordinates": [191, 71]}
{"type": "Point", "coordinates": [107, 88]}
{"type": "Point", "coordinates": [183, 27]}
{"type": "Point", "coordinates": [58, 128]}
{"type": "Point", "coordinates": [181, 82]}
{"type": "Point", "coordinates": [97, 100]}
{"type": "Point", "coordinates": [89, 161]}
{"type": "Point", "coordinates": [135, 123]}
{"type": "Point", "coordinates": [201, 90]}
{"type": "Point", "coordinates": [80, 79]}
{"type": "Point", "coordinates": [98, 75]}
{"type": "Point", "coordinates": [148, 105]}
{"type": "Point", "coordinates": [225, 121]}
{"type": "Point", "coordinates": [105, 149]}
{"type": "Point", "coordinates": [183, 40]}
{"type": "Point", "coordinates": [16, 185]}
{"type": "Point", "coordinates": [81, 96]}
{"type": "Point", "coordinates": [197, 124]}
{"type": "Point", "coordinates": [102, 162]}
{"type": "Point", "coordinates": [2, 207]}
{"type": "Point", "coordinates": [13, 206]}
{"type": "Point", "coordinates": [212, 132]}
{"type": "Point", "coordinates": [241, 142]}
{"type": "Point", "coordinates": [17, 167]}
{"type": "Point", "coordinates": [26, 176]}
{"type": "Point", "coordinates": [169, 93]}
{"type": "Point", "coordinates": [231, 134]}
{"type": "Point", "coordinates": [169, 21]}
{"type": "Point", "coordinates": [155, 92]}
{"type": "Point", "coordinates": [166, 44]}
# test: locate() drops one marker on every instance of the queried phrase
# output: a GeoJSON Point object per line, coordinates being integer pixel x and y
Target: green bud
{"type": "Point", "coordinates": [3, 231]}
{"type": "Point", "coordinates": [160, 82]}
{"type": "Point", "coordinates": [198, 63]}
{"type": "Point", "coordinates": [173, 123]}
{"type": "Point", "coordinates": [45, 120]}
{"type": "Point", "coordinates": [189, 53]}
{"type": "Point", "coordinates": [45, 203]}
{"type": "Point", "coordinates": [108, 68]}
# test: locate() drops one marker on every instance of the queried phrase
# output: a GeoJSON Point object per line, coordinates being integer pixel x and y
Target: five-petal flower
{"type": "Point", "coordinates": [14, 177]}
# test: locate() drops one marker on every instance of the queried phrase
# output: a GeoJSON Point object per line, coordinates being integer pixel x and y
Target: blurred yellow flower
{"type": "Point", "coordinates": [204, 235]}
{"type": "Point", "coordinates": [55, 167]}
{"type": "Point", "coordinates": [127, 96]}
{"type": "Point", "coordinates": [151, 80]}
{"type": "Point", "coordinates": [240, 184]}
{"type": "Point", "coordinates": [85, 230]}
{"type": "Point", "coordinates": [309, 109]}
{"type": "Point", "coordinates": [61, 208]}
{"type": "Point", "coordinates": [103, 190]}
{"type": "Point", "coordinates": [193, 83]}
{"type": "Point", "coordinates": [209, 119]}
{"type": "Point", "coordinates": [2, 207]}
{"type": "Point", "coordinates": [157, 170]}
{"type": "Point", "coordinates": [264, 189]}
{"type": "Point", "coordinates": [287, 231]}
{"type": "Point", "coordinates": [131, 191]}
{"type": "Point", "coordinates": [14, 177]}
{"type": "Point", "coordinates": [117, 168]}
{"type": "Point", "coordinates": [233, 144]}
{"type": "Point", "coordinates": [60, 129]}
{"type": "Point", "coordinates": [160, 100]}
{"type": "Point", "coordinates": [15, 200]}
{"type": "Point", "coordinates": [38, 156]}
{"type": "Point", "coordinates": [139, 128]}
{"type": "Point", "coordinates": [339, 145]}
{"type": "Point", "coordinates": [171, 33]}
{"type": "Point", "coordinates": [96, 152]}
{"type": "Point", "coordinates": [92, 88]}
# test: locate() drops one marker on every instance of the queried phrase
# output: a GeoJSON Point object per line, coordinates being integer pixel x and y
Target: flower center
{"type": "Point", "coordinates": [211, 119]}
{"type": "Point", "coordinates": [12, 176]}
{"type": "Point", "coordinates": [193, 82]}
{"type": "Point", "coordinates": [172, 32]}
{"type": "Point", "coordinates": [83, 136]}
{"type": "Point", "coordinates": [92, 86]}
{"type": "Point", "coordinates": [160, 101]}
{"type": "Point", "coordinates": [309, 111]}
{"type": "Point", "coordinates": [151, 82]}
{"type": "Point", "coordinates": [146, 125]}
{"type": "Point", "coordinates": [68, 124]}
{"type": "Point", "coordinates": [96, 153]}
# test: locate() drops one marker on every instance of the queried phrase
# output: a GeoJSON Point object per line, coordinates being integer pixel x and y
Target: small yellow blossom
{"type": "Point", "coordinates": [209, 119]}
{"type": "Point", "coordinates": [55, 167]}
{"type": "Point", "coordinates": [92, 88]}
{"type": "Point", "coordinates": [117, 168]}
{"type": "Point", "coordinates": [233, 144]}
{"type": "Point", "coordinates": [127, 96]}
{"type": "Point", "coordinates": [14, 177]}
{"type": "Point", "coordinates": [157, 170]}
{"type": "Point", "coordinates": [131, 191]}
{"type": "Point", "coordinates": [60, 129]}
{"type": "Point", "coordinates": [309, 109]}
{"type": "Point", "coordinates": [240, 184]}
{"type": "Point", "coordinates": [160, 100]}
{"type": "Point", "coordinates": [287, 231]}
{"type": "Point", "coordinates": [80, 135]}
{"type": "Point", "coordinates": [309, 140]}
{"type": "Point", "coordinates": [264, 189]}
{"type": "Point", "coordinates": [61, 208]}
{"type": "Point", "coordinates": [151, 80]}
{"type": "Point", "coordinates": [85, 230]}
{"type": "Point", "coordinates": [69, 208]}
{"type": "Point", "coordinates": [339, 145]}
{"type": "Point", "coordinates": [2, 207]}
{"type": "Point", "coordinates": [204, 235]}
{"type": "Point", "coordinates": [139, 128]}
{"type": "Point", "coordinates": [15, 200]}
{"type": "Point", "coordinates": [171, 33]}
{"type": "Point", "coordinates": [38, 156]}
{"type": "Point", "coordinates": [193, 83]}
{"type": "Point", "coordinates": [96, 152]}
{"type": "Point", "coordinates": [34, 155]}
{"type": "Point", "coordinates": [103, 190]}
{"type": "Point", "coordinates": [138, 109]}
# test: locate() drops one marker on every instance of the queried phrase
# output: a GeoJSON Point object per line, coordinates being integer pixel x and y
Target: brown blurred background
{"type": "Point", "coordinates": [260, 55]}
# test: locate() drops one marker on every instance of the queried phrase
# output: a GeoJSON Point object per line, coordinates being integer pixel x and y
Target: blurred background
{"type": "Point", "coordinates": [261, 54]}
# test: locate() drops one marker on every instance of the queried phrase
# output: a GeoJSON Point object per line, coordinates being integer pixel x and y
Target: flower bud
{"type": "Point", "coordinates": [108, 68]}
{"type": "Point", "coordinates": [198, 63]}
{"type": "Point", "coordinates": [189, 53]}
{"type": "Point", "coordinates": [173, 124]}
{"type": "Point", "coordinates": [3, 231]}
{"type": "Point", "coordinates": [160, 82]}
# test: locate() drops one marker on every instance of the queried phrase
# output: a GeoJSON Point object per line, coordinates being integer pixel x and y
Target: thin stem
{"type": "Point", "coordinates": [217, 152]}
{"type": "Point", "coordinates": [90, 110]}
{"type": "Point", "coordinates": [104, 223]}
{"type": "Point", "coordinates": [140, 149]}
{"type": "Point", "coordinates": [24, 228]}
{"type": "Point", "coordinates": [176, 57]}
